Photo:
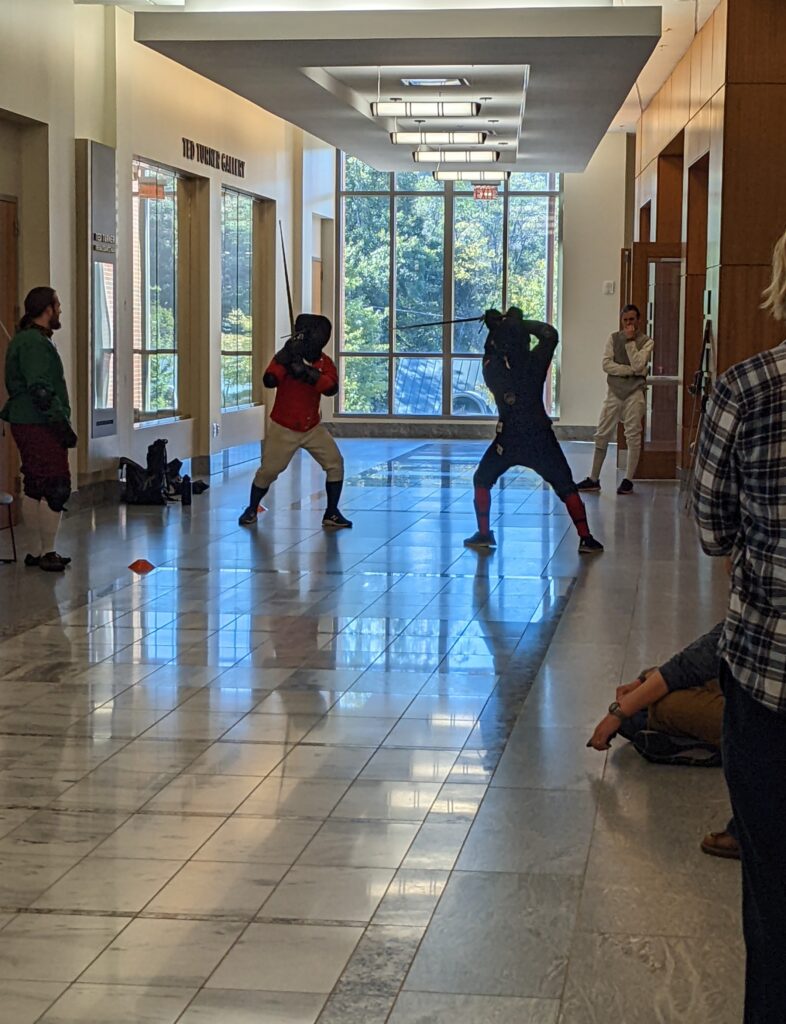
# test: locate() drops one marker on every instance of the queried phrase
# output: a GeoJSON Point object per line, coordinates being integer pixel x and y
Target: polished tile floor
{"type": "Point", "coordinates": [294, 777]}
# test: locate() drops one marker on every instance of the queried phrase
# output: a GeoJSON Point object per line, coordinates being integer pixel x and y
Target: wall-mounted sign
{"type": "Point", "coordinates": [485, 192]}
{"type": "Point", "coordinates": [214, 158]}
{"type": "Point", "coordinates": [103, 242]}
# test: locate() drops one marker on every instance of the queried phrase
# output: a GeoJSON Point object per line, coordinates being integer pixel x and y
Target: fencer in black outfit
{"type": "Point", "coordinates": [515, 372]}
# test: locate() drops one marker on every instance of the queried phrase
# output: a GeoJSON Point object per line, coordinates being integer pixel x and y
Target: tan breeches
{"type": "Point", "coordinates": [280, 447]}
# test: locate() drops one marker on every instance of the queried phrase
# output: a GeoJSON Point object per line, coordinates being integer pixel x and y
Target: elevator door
{"type": "Point", "coordinates": [9, 314]}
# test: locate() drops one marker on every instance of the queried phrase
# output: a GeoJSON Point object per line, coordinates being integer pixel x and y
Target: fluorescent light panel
{"type": "Point", "coordinates": [438, 138]}
{"type": "Point", "coordinates": [433, 83]}
{"type": "Point", "coordinates": [479, 176]}
{"type": "Point", "coordinates": [455, 156]}
{"type": "Point", "coordinates": [425, 108]}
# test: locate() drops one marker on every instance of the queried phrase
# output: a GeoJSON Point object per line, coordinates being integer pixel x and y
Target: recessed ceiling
{"type": "Point", "coordinates": [567, 70]}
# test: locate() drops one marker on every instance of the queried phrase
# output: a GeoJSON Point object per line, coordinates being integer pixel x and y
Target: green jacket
{"type": "Point", "coordinates": [32, 361]}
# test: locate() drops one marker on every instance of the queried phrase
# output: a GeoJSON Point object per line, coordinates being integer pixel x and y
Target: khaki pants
{"type": "Point", "coordinates": [631, 411]}
{"type": "Point", "coordinates": [695, 713]}
{"type": "Point", "coordinates": [280, 447]}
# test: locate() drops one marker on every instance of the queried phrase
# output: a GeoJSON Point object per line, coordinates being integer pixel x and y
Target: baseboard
{"type": "Point", "coordinates": [445, 430]}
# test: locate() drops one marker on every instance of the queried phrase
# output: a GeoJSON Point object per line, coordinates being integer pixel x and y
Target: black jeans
{"type": "Point", "coordinates": [754, 760]}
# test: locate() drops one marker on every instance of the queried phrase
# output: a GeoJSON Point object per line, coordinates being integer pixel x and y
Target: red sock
{"type": "Point", "coordinates": [483, 508]}
{"type": "Point", "coordinates": [578, 514]}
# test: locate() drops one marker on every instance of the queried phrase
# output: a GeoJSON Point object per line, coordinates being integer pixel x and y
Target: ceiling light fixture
{"type": "Point", "coordinates": [455, 156]}
{"type": "Point", "coordinates": [438, 138]}
{"type": "Point", "coordinates": [434, 83]}
{"type": "Point", "coordinates": [479, 176]}
{"type": "Point", "coordinates": [425, 108]}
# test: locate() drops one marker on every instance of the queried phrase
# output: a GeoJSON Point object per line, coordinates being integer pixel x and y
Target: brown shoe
{"type": "Point", "coordinates": [721, 844]}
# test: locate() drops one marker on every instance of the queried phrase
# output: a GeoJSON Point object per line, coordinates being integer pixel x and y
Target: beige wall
{"type": "Point", "coordinates": [87, 78]}
{"type": "Point", "coordinates": [593, 234]}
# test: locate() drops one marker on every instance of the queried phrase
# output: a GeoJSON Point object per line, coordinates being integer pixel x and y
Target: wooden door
{"type": "Point", "coordinates": [654, 288]}
{"type": "Point", "coordinates": [9, 315]}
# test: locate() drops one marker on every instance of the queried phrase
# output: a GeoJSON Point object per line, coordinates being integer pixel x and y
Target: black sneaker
{"type": "Point", "coordinates": [51, 562]}
{"type": "Point", "coordinates": [249, 517]}
{"type": "Point", "coordinates": [626, 487]}
{"type": "Point", "coordinates": [335, 521]}
{"type": "Point", "coordinates": [588, 484]}
{"type": "Point", "coordinates": [34, 561]}
{"type": "Point", "coordinates": [481, 540]}
{"type": "Point", "coordinates": [661, 748]}
{"type": "Point", "coordinates": [590, 546]}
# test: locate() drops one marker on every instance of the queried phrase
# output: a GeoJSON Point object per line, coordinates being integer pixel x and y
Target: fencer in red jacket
{"type": "Point", "coordinates": [301, 373]}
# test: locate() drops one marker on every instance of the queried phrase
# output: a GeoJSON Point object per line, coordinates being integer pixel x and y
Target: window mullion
{"type": "Point", "coordinates": [505, 220]}
{"type": "Point", "coordinates": [391, 294]}
{"type": "Point", "coordinates": [447, 301]}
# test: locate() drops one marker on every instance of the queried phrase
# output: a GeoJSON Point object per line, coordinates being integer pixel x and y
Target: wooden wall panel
{"type": "Point", "coordinates": [719, 40]}
{"type": "Point", "coordinates": [756, 33]}
{"type": "Point", "coordinates": [680, 93]}
{"type": "Point", "coordinates": [743, 327]}
{"type": "Point", "coordinates": [669, 211]}
{"type": "Point", "coordinates": [754, 171]}
{"type": "Point", "coordinates": [706, 60]}
{"type": "Point", "coordinates": [695, 74]}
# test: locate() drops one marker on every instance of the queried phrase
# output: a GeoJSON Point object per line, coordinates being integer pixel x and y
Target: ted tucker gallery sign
{"type": "Point", "coordinates": [214, 158]}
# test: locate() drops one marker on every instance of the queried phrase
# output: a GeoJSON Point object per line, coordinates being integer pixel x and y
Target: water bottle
{"type": "Point", "coordinates": [185, 491]}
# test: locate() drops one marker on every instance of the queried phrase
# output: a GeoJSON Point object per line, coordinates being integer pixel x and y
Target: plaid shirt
{"type": "Point", "coordinates": [740, 504]}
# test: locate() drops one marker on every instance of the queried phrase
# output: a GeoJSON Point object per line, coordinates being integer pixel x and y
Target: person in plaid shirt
{"type": "Point", "coordinates": [740, 505]}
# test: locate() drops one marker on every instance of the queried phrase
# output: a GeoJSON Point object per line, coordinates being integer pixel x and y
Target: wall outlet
{"type": "Point", "coordinates": [216, 429]}
{"type": "Point", "coordinates": [609, 287]}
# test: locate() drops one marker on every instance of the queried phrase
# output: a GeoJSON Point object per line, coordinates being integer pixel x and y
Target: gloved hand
{"type": "Point", "coordinates": [286, 355]}
{"type": "Point", "coordinates": [42, 397]}
{"type": "Point", "coordinates": [297, 369]}
{"type": "Point", "coordinates": [66, 435]}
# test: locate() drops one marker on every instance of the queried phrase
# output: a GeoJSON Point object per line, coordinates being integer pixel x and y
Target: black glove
{"type": "Point", "coordinates": [65, 434]}
{"type": "Point", "coordinates": [297, 369]}
{"type": "Point", "coordinates": [42, 397]}
{"type": "Point", "coordinates": [286, 355]}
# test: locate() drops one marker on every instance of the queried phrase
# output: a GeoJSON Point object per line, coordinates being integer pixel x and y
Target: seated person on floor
{"type": "Point", "coordinates": [674, 715]}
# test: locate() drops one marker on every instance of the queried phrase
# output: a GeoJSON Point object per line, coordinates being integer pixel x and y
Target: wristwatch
{"type": "Point", "coordinates": [616, 710]}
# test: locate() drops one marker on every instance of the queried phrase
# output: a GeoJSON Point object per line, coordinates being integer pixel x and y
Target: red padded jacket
{"type": "Point", "coordinates": [297, 403]}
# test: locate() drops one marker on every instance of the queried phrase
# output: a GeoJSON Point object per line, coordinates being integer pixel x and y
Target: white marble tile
{"type": "Point", "coordinates": [328, 894]}
{"type": "Point", "coordinates": [23, 1002]}
{"type": "Point", "coordinates": [164, 953]}
{"type": "Point", "coordinates": [287, 958]}
{"type": "Point", "coordinates": [235, 1007]}
{"type": "Point", "coordinates": [203, 794]}
{"type": "Point", "coordinates": [259, 840]}
{"type": "Point", "coordinates": [385, 800]}
{"type": "Point", "coordinates": [286, 797]}
{"type": "Point", "coordinates": [118, 1004]}
{"type": "Point", "coordinates": [54, 947]}
{"type": "Point", "coordinates": [372, 844]}
{"type": "Point", "coordinates": [217, 889]}
{"type": "Point", "coordinates": [100, 884]}
{"type": "Point", "coordinates": [162, 836]}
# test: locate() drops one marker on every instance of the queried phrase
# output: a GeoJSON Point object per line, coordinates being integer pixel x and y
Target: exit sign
{"type": "Point", "coordinates": [485, 192]}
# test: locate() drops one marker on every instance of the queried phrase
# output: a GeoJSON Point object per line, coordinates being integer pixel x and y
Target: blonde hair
{"type": "Point", "coordinates": [775, 295]}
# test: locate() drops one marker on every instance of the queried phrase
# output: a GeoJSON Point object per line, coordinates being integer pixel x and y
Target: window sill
{"type": "Point", "coordinates": [241, 408]}
{"type": "Point", "coordinates": [164, 421]}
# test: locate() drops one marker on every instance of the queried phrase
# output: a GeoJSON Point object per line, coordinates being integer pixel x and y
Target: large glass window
{"type": "Point", "coordinates": [155, 328]}
{"type": "Point", "coordinates": [414, 250]}
{"type": "Point", "coordinates": [237, 230]}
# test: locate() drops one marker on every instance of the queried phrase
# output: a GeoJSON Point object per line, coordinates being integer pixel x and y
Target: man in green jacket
{"type": "Point", "coordinates": [39, 412]}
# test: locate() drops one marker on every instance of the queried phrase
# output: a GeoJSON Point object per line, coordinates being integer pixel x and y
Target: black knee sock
{"type": "Point", "coordinates": [257, 494]}
{"type": "Point", "coordinates": [333, 488]}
